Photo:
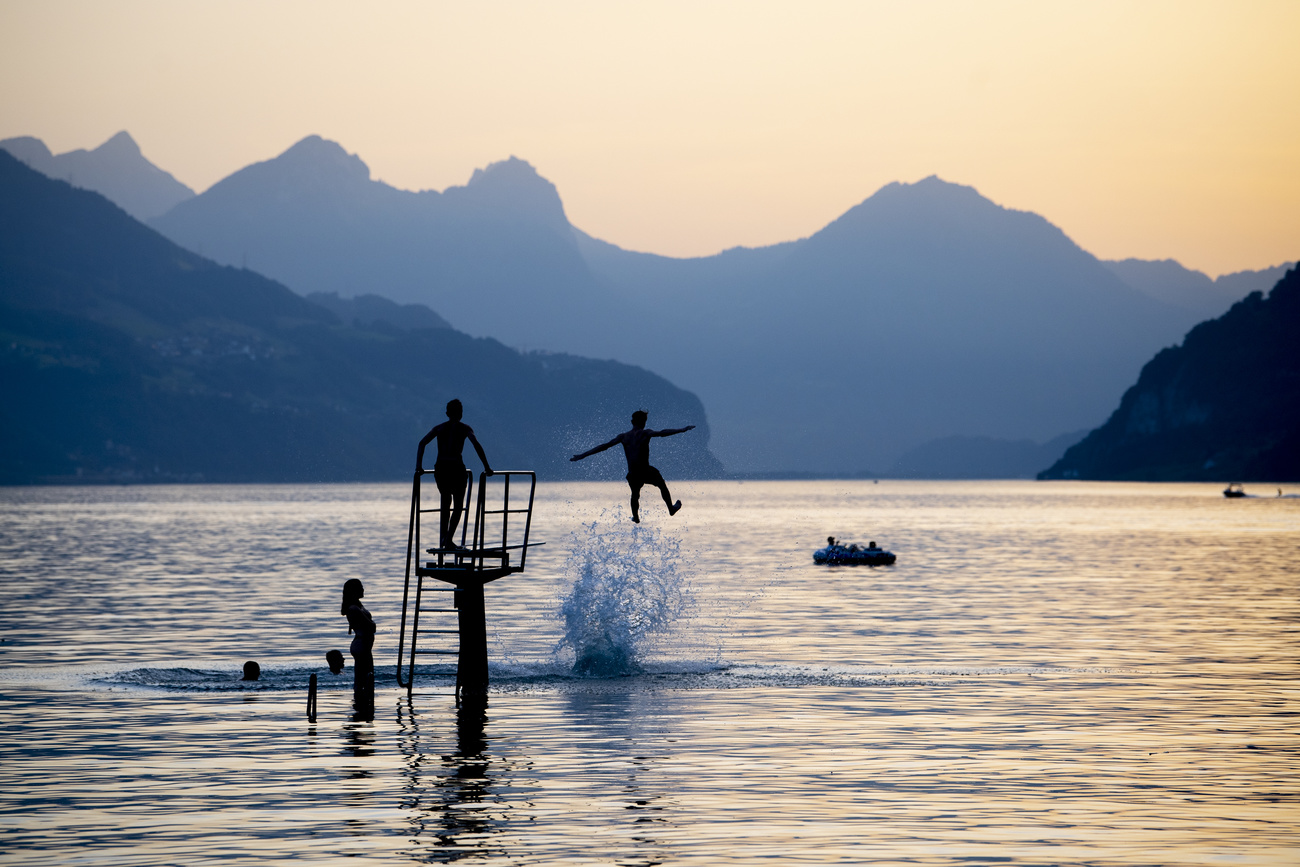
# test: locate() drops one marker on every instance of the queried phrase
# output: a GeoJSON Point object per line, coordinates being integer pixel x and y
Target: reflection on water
{"type": "Point", "coordinates": [453, 810]}
{"type": "Point", "coordinates": [1051, 674]}
{"type": "Point", "coordinates": [613, 723]}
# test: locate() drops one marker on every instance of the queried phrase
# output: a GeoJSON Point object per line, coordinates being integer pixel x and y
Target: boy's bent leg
{"type": "Point", "coordinates": [668, 498]}
{"type": "Point", "coordinates": [673, 508]}
{"type": "Point", "coordinates": [658, 480]}
{"type": "Point", "coordinates": [636, 501]}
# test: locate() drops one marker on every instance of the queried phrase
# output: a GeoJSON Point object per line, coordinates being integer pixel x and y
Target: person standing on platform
{"type": "Point", "coordinates": [636, 448]}
{"type": "Point", "coordinates": [449, 469]}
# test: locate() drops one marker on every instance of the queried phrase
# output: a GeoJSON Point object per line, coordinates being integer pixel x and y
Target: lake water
{"type": "Point", "coordinates": [1053, 673]}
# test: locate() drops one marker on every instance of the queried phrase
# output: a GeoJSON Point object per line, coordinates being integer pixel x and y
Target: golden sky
{"type": "Point", "coordinates": [1151, 129]}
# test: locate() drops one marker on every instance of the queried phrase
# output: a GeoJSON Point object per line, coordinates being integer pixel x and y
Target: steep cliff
{"type": "Point", "coordinates": [1223, 406]}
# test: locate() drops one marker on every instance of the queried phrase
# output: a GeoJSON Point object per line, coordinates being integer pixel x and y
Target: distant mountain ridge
{"type": "Point", "coordinates": [127, 358]}
{"type": "Point", "coordinates": [116, 169]}
{"type": "Point", "coordinates": [1222, 406]}
{"type": "Point", "coordinates": [925, 312]}
{"type": "Point", "coordinates": [495, 257]}
{"type": "Point", "coordinates": [1170, 282]}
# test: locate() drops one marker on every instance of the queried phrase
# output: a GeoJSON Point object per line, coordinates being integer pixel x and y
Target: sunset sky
{"type": "Point", "coordinates": [1153, 129]}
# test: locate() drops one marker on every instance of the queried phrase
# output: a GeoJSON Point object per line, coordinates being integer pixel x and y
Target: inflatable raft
{"type": "Point", "coordinates": [838, 554]}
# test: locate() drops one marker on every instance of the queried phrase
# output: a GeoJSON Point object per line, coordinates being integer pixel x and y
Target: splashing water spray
{"type": "Point", "coordinates": [629, 589]}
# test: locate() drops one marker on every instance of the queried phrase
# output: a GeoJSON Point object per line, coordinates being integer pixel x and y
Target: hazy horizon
{"type": "Point", "coordinates": [1160, 132]}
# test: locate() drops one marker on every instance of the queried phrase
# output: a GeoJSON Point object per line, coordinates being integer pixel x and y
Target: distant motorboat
{"type": "Point", "coordinates": [1233, 491]}
{"type": "Point", "coordinates": [838, 554]}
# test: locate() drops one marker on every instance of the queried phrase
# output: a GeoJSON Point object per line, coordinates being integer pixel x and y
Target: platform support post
{"type": "Point", "coordinates": [472, 667]}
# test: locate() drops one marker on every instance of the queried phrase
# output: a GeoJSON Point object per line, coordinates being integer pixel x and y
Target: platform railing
{"type": "Point", "coordinates": [487, 545]}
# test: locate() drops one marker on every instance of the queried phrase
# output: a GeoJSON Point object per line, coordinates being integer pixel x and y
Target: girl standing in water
{"type": "Point", "coordinates": [360, 622]}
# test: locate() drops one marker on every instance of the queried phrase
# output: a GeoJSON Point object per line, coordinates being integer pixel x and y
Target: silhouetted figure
{"type": "Point", "coordinates": [830, 540]}
{"type": "Point", "coordinates": [449, 469]}
{"type": "Point", "coordinates": [359, 622]}
{"type": "Point", "coordinates": [362, 649]}
{"type": "Point", "coordinates": [636, 448]}
{"type": "Point", "coordinates": [252, 671]}
{"type": "Point", "coordinates": [335, 661]}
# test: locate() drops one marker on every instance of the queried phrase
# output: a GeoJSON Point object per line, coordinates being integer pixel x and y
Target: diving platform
{"type": "Point", "coordinates": [445, 581]}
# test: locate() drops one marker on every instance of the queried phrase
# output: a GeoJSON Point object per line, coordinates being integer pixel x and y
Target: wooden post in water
{"type": "Point", "coordinates": [311, 698]}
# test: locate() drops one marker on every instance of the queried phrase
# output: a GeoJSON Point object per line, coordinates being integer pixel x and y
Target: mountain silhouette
{"type": "Point", "coordinates": [128, 358]}
{"type": "Point", "coordinates": [116, 169]}
{"type": "Point", "coordinates": [1222, 406]}
{"type": "Point", "coordinates": [926, 311]}
{"type": "Point", "coordinates": [1170, 282]}
{"type": "Point", "coordinates": [495, 257]}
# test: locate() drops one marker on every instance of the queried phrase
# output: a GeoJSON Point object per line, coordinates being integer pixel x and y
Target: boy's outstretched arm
{"type": "Point", "coordinates": [600, 448]}
{"type": "Point", "coordinates": [672, 430]}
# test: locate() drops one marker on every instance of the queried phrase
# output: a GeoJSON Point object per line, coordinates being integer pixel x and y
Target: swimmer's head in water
{"type": "Point", "coordinates": [335, 660]}
{"type": "Point", "coordinates": [639, 418]}
{"type": "Point", "coordinates": [252, 671]}
{"type": "Point", "coordinates": [454, 410]}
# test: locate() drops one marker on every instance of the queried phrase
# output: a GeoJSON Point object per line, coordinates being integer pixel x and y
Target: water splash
{"type": "Point", "coordinates": [629, 590]}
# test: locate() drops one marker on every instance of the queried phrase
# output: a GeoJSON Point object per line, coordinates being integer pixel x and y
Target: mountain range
{"type": "Point", "coordinates": [124, 357]}
{"type": "Point", "coordinates": [1222, 405]}
{"type": "Point", "coordinates": [1168, 281]}
{"type": "Point", "coordinates": [116, 169]}
{"type": "Point", "coordinates": [925, 315]}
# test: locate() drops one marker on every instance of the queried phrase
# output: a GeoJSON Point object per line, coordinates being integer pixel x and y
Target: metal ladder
{"type": "Point", "coordinates": [461, 572]}
{"type": "Point", "coordinates": [446, 605]}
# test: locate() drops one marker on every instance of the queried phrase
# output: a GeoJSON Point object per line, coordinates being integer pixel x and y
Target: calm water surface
{"type": "Point", "coordinates": [1051, 674]}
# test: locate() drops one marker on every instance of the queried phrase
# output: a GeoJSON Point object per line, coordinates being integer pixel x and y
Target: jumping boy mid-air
{"type": "Point", "coordinates": [636, 448]}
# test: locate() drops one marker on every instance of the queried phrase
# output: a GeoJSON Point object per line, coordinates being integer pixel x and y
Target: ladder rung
{"type": "Point", "coordinates": [438, 631]}
{"type": "Point", "coordinates": [439, 610]}
{"type": "Point", "coordinates": [440, 652]}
